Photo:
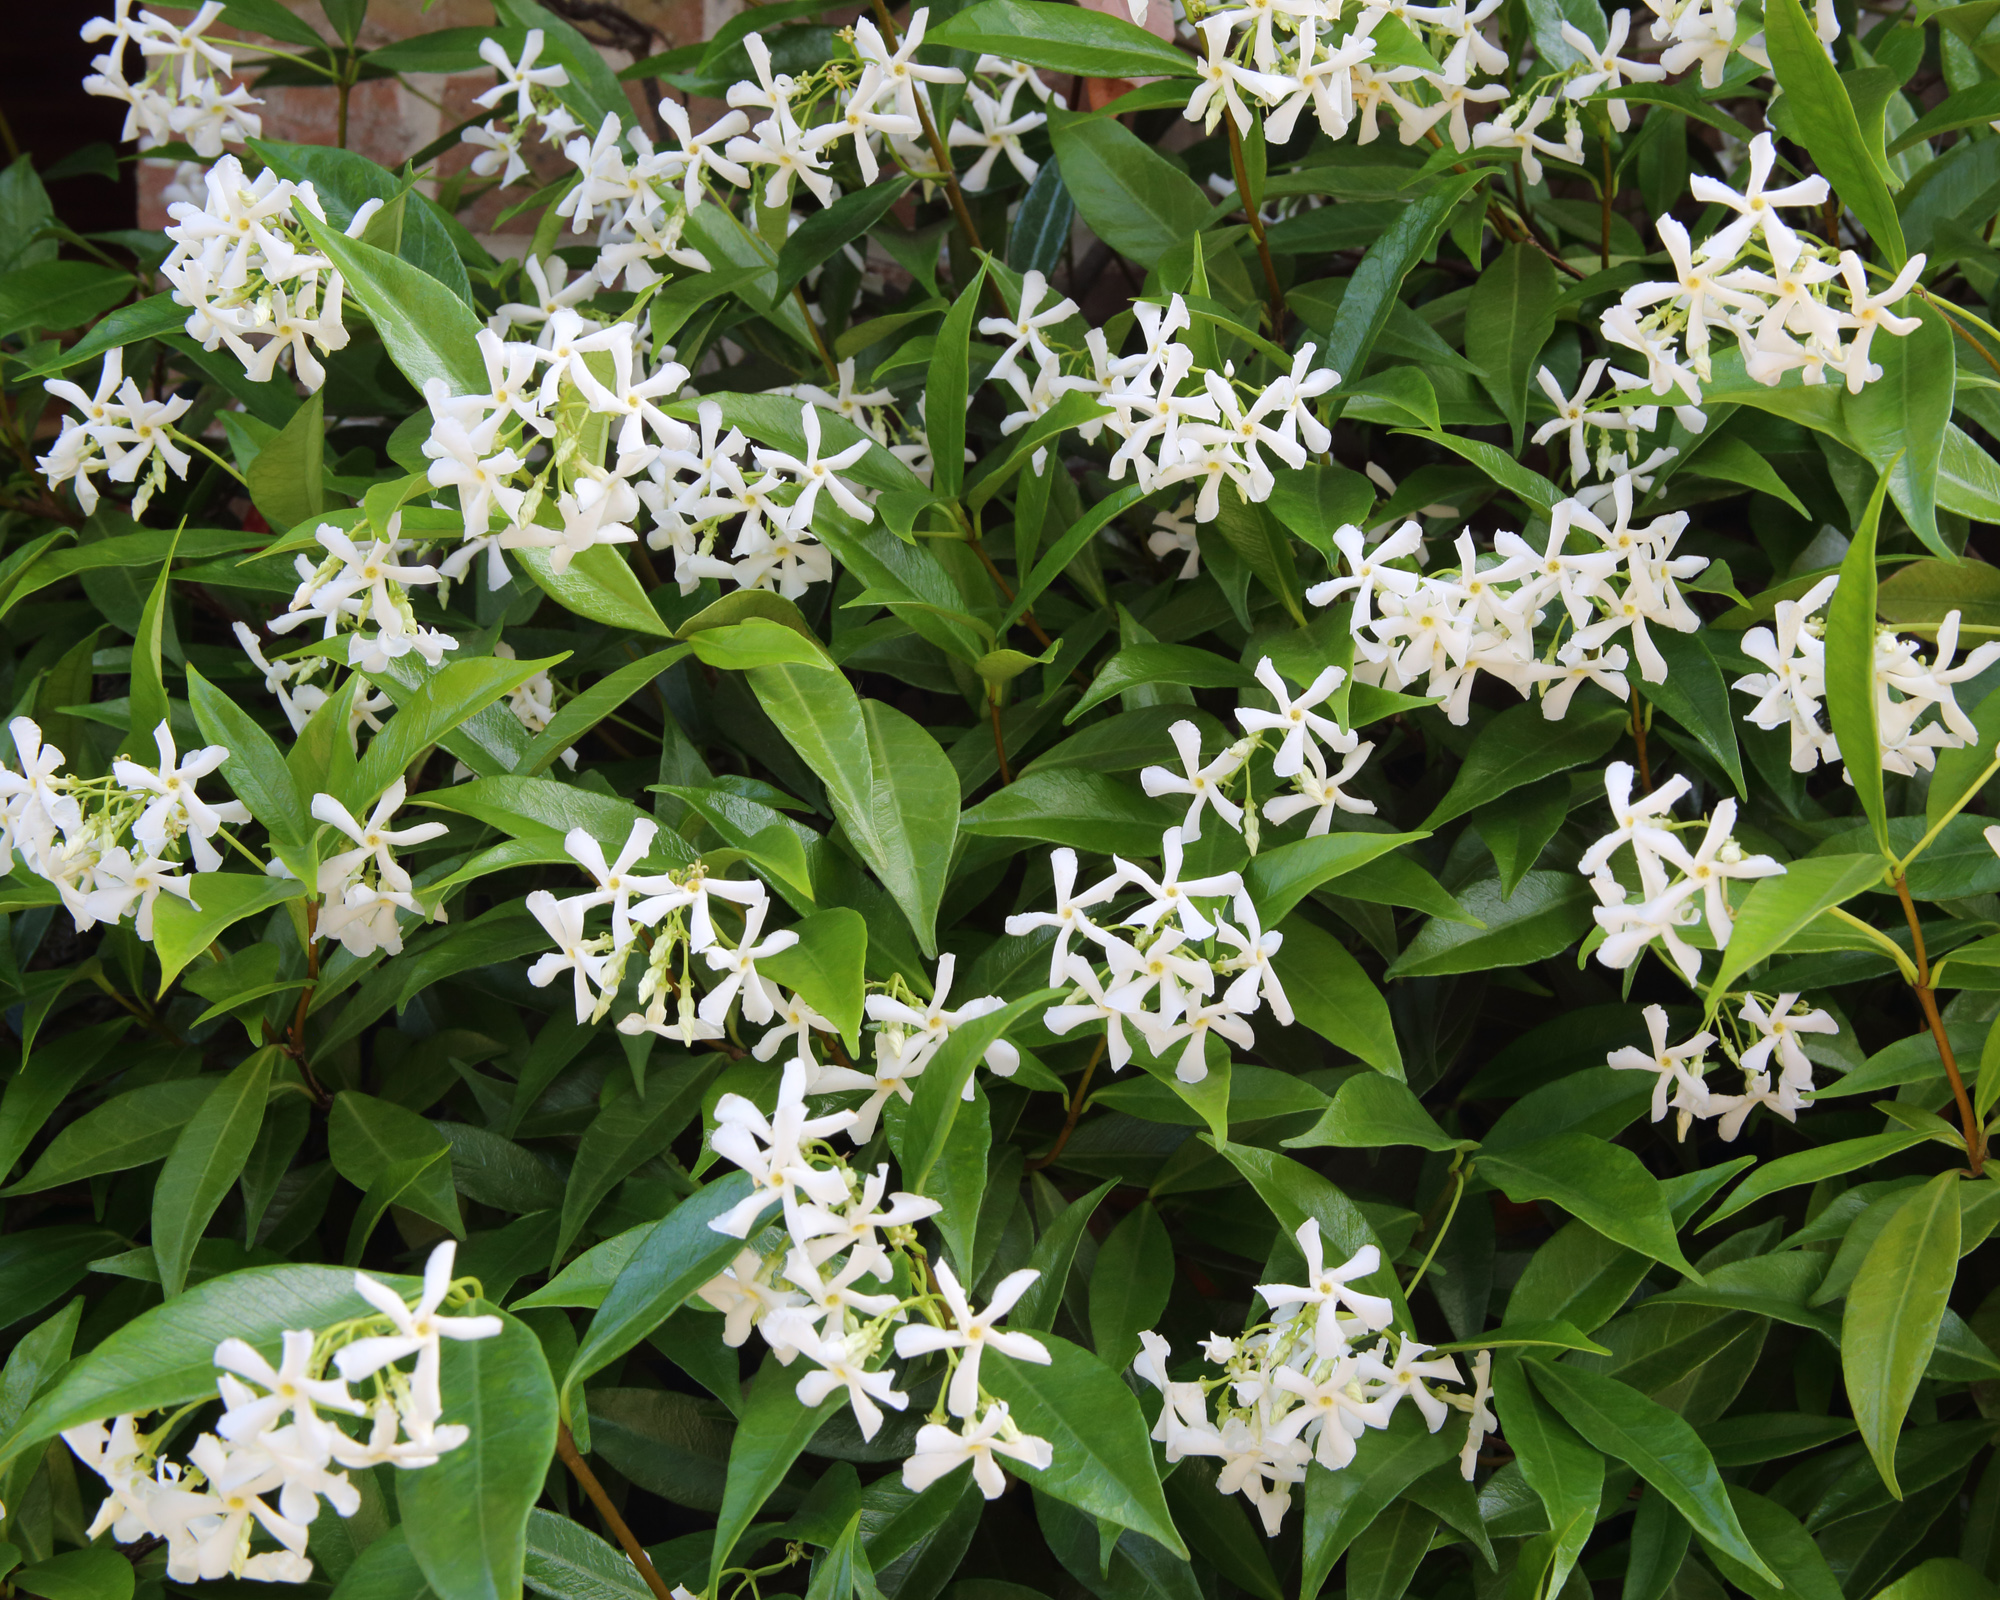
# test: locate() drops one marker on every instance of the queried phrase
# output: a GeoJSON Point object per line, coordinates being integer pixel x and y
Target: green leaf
{"type": "Point", "coordinates": [287, 479]}
{"type": "Point", "coordinates": [1340, 1505]}
{"type": "Point", "coordinates": [151, 318]}
{"type": "Point", "coordinates": [1786, 1547]}
{"type": "Point", "coordinates": [255, 772]}
{"type": "Point", "coordinates": [1814, 1166]}
{"type": "Point", "coordinates": [604, 697]}
{"type": "Point", "coordinates": [1053, 561]}
{"type": "Point", "coordinates": [372, 1141]}
{"type": "Point", "coordinates": [1376, 287]}
{"type": "Point", "coordinates": [599, 584]}
{"type": "Point", "coordinates": [428, 330]}
{"type": "Point", "coordinates": [1823, 119]}
{"type": "Point", "coordinates": [569, 1562]}
{"type": "Point", "coordinates": [1089, 44]}
{"type": "Point", "coordinates": [773, 1431]}
{"type": "Point", "coordinates": [1333, 996]}
{"type": "Point", "coordinates": [166, 1356]}
{"type": "Point", "coordinates": [467, 1516]}
{"type": "Point", "coordinates": [629, 1130]}
{"type": "Point", "coordinates": [1661, 1446]}
{"type": "Point", "coordinates": [1383, 1560]}
{"type": "Point", "coordinates": [945, 389]}
{"type": "Point", "coordinates": [1777, 908]}
{"type": "Point", "coordinates": [1566, 1474]}
{"type": "Point", "coordinates": [206, 1159]}
{"type": "Point", "coordinates": [1103, 1460]}
{"type": "Point", "coordinates": [1279, 879]}
{"type": "Point", "coordinates": [128, 1130]}
{"type": "Point", "coordinates": [675, 1258]}
{"type": "Point", "coordinates": [96, 1572]}
{"type": "Point", "coordinates": [1129, 1285]}
{"type": "Point", "coordinates": [1054, 1251]}
{"type": "Point", "coordinates": [1546, 913]}
{"type": "Point", "coordinates": [1900, 420]}
{"type": "Point", "coordinates": [827, 967]}
{"type": "Point", "coordinates": [1135, 200]}
{"type": "Point", "coordinates": [274, 18]}
{"type": "Point", "coordinates": [1294, 1192]}
{"type": "Point", "coordinates": [1517, 827]}
{"type": "Point", "coordinates": [450, 696]}
{"type": "Point", "coordinates": [1520, 746]}
{"type": "Point", "coordinates": [1369, 1111]}
{"type": "Point", "coordinates": [1893, 1310]}
{"type": "Point", "coordinates": [822, 234]}
{"type": "Point", "coordinates": [53, 295]}
{"type": "Point", "coordinates": [182, 931]}
{"type": "Point", "coordinates": [940, 1087]}
{"type": "Point", "coordinates": [1598, 1183]}
{"type": "Point", "coordinates": [891, 787]}
{"type": "Point", "coordinates": [149, 703]}
{"type": "Point", "coordinates": [1509, 319]}
{"type": "Point", "coordinates": [1139, 665]}
{"type": "Point", "coordinates": [1696, 697]}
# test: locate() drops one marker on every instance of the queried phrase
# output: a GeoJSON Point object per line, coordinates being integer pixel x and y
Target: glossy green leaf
{"type": "Point", "coordinates": [1331, 994]}
{"type": "Point", "coordinates": [1826, 125]}
{"type": "Point", "coordinates": [1520, 746]}
{"type": "Point", "coordinates": [1661, 1446]}
{"type": "Point", "coordinates": [467, 1516]}
{"type": "Point", "coordinates": [1892, 1316]}
{"type": "Point", "coordinates": [1103, 1461]}
{"type": "Point", "coordinates": [1134, 199]}
{"type": "Point", "coordinates": [891, 787]}
{"type": "Point", "coordinates": [207, 1157]}
{"type": "Point", "coordinates": [1598, 1183]}
{"type": "Point", "coordinates": [675, 1258]}
{"type": "Point", "coordinates": [1129, 1285]}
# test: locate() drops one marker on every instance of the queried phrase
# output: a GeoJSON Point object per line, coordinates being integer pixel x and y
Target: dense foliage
{"type": "Point", "coordinates": [1230, 844]}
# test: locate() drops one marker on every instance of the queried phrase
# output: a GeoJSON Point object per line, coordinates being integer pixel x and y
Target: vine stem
{"type": "Point", "coordinates": [1242, 171]}
{"type": "Point", "coordinates": [940, 153]}
{"type": "Point", "coordinates": [999, 739]}
{"type": "Point", "coordinates": [1639, 740]}
{"type": "Point", "coordinates": [1975, 1143]}
{"type": "Point", "coordinates": [1075, 1109]}
{"type": "Point", "coordinates": [627, 1541]}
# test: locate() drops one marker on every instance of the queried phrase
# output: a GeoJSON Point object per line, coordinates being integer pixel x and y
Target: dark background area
{"type": "Point", "coordinates": [43, 62]}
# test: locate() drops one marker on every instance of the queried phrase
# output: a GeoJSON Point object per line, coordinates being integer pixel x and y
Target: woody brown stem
{"type": "Point", "coordinates": [1256, 222]}
{"type": "Point", "coordinates": [1975, 1141]}
{"type": "Point", "coordinates": [1075, 1110]}
{"type": "Point", "coordinates": [580, 1470]}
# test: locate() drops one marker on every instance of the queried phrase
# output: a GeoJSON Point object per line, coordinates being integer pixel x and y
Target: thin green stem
{"type": "Point", "coordinates": [1902, 867]}
{"type": "Point", "coordinates": [1458, 1194]}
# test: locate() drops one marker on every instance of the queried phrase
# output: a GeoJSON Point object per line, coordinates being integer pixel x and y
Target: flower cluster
{"type": "Point", "coordinates": [276, 1450]}
{"type": "Point", "coordinates": [1793, 304]}
{"type": "Point", "coordinates": [1158, 964]}
{"type": "Point", "coordinates": [1675, 889]}
{"type": "Point", "coordinates": [363, 887]}
{"type": "Point", "coordinates": [362, 583]}
{"type": "Point", "coordinates": [536, 106]}
{"type": "Point", "coordinates": [244, 265]}
{"type": "Point", "coordinates": [1306, 1384]}
{"type": "Point", "coordinates": [1175, 423]}
{"type": "Point", "coordinates": [111, 846]}
{"type": "Point", "coordinates": [1773, 1026]}
{"type": "Point", "coordinates": [674, 914]}
{"type": "Point", "coordinates": [182, 92]}
{"type": "Point", "coordinates": [1792, 693]}
{"type": "Point", "coordinates": [802, 1287]}
{"type": "Point", "coordinates": [119, 433]}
